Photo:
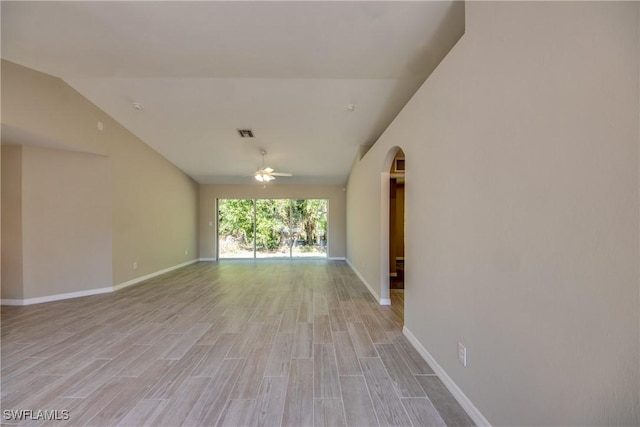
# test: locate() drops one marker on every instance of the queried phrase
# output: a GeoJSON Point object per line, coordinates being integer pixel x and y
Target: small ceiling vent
{"type": "Point", "coordinates": [245, 133]}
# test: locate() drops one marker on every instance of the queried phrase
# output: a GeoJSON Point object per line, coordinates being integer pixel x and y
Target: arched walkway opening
{"type": "Point", "coordinates": [392, 229]}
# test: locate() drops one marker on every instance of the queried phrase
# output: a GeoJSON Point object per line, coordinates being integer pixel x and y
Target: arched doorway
{"type": "Point", "coordinates": [396, 232]}
{"type": "Point", "coordinates": [392, 229]}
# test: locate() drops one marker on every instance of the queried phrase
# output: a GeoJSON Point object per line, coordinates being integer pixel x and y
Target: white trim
{"type": "Point", "coordinates": [89, 292]}
{"type": "Point", "coordinates": [462, 399]}
{"type": "Point", "coordinates": [337, 258]}
{"type": "Point", "coordinates": [385, 202]}
{"type": "Point", "coordinates": [152, 275]}
{"type": "Point", "coordinates": [208, 259]}
{"type": "Point", "coordinates": [361, 277]}
{"type": "Point", "coordinates": [384, 301]}
{"type": "Point", "coordinates": [57, 297]}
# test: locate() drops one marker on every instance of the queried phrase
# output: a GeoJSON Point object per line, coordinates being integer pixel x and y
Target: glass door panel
{"type": "Point", "coordinates": [311, 222]}
{"type": "Point", "coordinates": [270, 232]}
{"type": "Point", "coordinates": [236, 228]}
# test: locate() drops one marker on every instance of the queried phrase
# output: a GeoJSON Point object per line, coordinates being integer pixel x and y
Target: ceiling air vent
{"type": "Point", "coordinates": [245, 133]}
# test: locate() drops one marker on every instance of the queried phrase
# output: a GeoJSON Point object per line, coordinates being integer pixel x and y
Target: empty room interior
{"type": "Point", "coordinates": [357, 213]}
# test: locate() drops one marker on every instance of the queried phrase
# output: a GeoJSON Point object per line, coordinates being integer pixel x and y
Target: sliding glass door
{"type": "Point", "coordinates": [272, 228]}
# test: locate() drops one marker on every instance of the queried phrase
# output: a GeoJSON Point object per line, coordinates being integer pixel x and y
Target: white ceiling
{"type": "Point", "coordinates": [287, 70]}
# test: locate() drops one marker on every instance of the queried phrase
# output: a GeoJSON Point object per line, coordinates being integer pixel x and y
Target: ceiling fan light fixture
{"type": "Point", "coordinates": [263, 177]}
{"type": "Point", "coordinates": [266, 174]}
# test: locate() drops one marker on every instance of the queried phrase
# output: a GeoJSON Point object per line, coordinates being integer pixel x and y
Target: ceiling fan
{"type": "Point", "coordinates": [266, 174]}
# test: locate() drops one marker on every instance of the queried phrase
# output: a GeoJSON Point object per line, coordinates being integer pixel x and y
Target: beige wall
{"type": "Point", "coordinates": [334, 193]}
{"type": "Point", "coordinates": [12, 222]}
{"type": "Point", "coordinates": [66, 222]}
{"type": "Point", "coordinates": [154, 205]}
{"type": "Point", "coordinates": [522, 204]}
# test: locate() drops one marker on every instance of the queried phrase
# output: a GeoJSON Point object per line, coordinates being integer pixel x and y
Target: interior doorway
{"type": "Point", "coordinates": [392, 228]}
{"type": "Point", "coordinates": [397, 231]}
{"type": "Point", "coordinates": [396, 234]}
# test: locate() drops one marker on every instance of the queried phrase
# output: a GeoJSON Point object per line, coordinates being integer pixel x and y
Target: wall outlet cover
{"type": "Point", "coordinates": [462, 354]}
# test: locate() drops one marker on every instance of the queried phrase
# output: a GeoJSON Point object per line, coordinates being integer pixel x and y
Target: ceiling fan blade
{"type": "Point", "coordinates": [267, 170]}
{"type": "Point", "coordinates": [280, 174]}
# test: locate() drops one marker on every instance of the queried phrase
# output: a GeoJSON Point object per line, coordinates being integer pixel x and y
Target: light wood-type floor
{"type": "Point", "coordinates": [260, 343]}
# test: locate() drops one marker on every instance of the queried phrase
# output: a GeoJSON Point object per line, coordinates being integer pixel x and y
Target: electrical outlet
{"type": "Point", "coordinates": [186, 252]}
{"type": "Point", "coordinates": [462, 354]}
{"type": "Point", "coordinates": [135, 265]}
{"type": "Point", "coordinates": [100, 126]}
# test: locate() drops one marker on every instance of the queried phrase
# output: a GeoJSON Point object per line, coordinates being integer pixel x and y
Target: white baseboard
{"type": "Point", "coordinates": [385, 301]}
{"type": "Point", "coordinates": [374, 293]}
{"type": "Point", "coordinates": [208, 259]}
{"type": "Point", "coordinates": [337, 258]}
{"type": "Point", "coordinates": [151, 275]}
{"type": "Point", "coordinates": [462, 399]}
{"type": "Point", "coordinates": [57, 297]}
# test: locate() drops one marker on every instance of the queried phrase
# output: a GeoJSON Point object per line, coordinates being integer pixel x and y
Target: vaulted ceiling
{"type": "Point", "coordinates": [202, 70]}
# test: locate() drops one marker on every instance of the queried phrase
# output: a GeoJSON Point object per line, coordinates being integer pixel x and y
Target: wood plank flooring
{"type": "Point", "coordinates": [231, 343]}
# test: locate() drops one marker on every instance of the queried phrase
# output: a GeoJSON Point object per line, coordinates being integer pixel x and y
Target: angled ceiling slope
{"type": "Point", "coordinates": [202, 70]}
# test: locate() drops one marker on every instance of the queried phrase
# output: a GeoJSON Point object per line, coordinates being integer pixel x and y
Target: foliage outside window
{"type": "Point", "coordinates": [272, 227]}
